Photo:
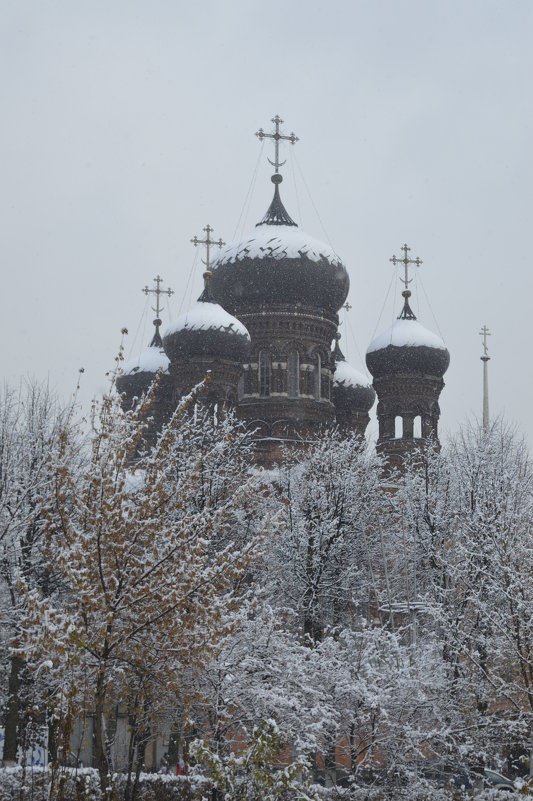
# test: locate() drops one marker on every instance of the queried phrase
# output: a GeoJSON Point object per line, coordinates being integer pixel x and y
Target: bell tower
{"type": "Point", "coordinates": [407, 363]}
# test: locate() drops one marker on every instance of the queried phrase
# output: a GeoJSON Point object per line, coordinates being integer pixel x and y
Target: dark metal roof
{"type": "Point", "coordinates": [156, 342]}
{"type": "Point", "coordinates": [277, 213]}
{"type": "Point", "coordinates": [406, 313]}
{"type": "Point", "coordinates": [338, 355]}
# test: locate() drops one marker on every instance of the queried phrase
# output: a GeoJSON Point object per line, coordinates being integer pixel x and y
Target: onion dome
{"type": "Point", "coordinates": [137, 376]}
{"type": "Point", "coordinates": [407, 347]}
{"type": "Point", "coordinates": [207, 330]}
{"type": "Point", "coordinates": [350, 387]}
{"type": "Point", "coordinates": [279, 263]}
{"type": "Point", "coordinates": [151, 360]}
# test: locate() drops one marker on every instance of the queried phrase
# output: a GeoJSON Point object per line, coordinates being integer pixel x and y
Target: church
{"type": "Point", "coordinates": [265, 330]}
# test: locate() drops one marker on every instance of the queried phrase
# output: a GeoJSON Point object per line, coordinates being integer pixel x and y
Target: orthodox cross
{"type": "Point", "coordinates": [485, 333]}
{"type": "Point", "coordinates": [207, 242]}
{"type": "Point", "coordinates": [157, 292]}
{"type": "Point", "coordinates": [277, 137]}
{"type": "Point", "coordinates": [406, 261]}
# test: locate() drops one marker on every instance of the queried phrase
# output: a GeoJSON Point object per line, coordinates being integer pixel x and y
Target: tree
{"type": "Point", "coordinates": [151, 554]}
{"type": "Point", "coordinates": [256, 772]}
{"type": "Point", "coordinates": [31, 423]}
{"type": "Point", "coordinates": [354, 688]}
{"type": "Point", "coordinates": [487, 614]}
{"type": "Point", "coordinates": [465, 578]}
{"type": "Point", "coordinates": [321, 563]}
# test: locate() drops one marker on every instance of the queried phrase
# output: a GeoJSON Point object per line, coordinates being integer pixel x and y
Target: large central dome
{"type": "Point", "coordinates": [279, 264]}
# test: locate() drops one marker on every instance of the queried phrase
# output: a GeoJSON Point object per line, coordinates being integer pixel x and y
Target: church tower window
{"type": "Point", "coordinates": [265, 373]}
{"type": "Point", "coordinates": [318, 374]}
{"type": "Point", "coordinates": [398, 427]}
{"type": "Point", "coordinates": [294, 374]}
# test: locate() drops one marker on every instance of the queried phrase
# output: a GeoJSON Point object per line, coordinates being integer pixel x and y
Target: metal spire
{"type": "Point", "coordinates": [156, 340]}
{"type": "Point", "coordinates": [277, 213]}
{"type": "Point", "coordinates": [407, 313]}
{"type": "Point", "coordinates": [338, 355]}
{"type": "Point", "coordinates": [277, 137]}
{"type": "Point", "coordinates": [207, 242]}
{"type": "Point", "coordinates": [485, 358]}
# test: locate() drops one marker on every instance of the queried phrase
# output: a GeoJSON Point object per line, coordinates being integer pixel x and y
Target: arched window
{"type": "Point", "coordinates": [265, 373]}
{"type": "Point", "coordinates": [318, 374]}
{"type": "Point", "coordinates": [398, 427]}
{"type": "Point", "coordinates": [417, 427]}
{"type": "Point", "coordinates": [294, 374]}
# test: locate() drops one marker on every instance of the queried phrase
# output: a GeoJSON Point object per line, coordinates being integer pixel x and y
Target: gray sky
{"type": "Point", "coordinates": [127, 126]}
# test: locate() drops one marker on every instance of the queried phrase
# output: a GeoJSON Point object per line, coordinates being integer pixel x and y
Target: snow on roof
{"type": "Point", "coordinates": [204, 316]}
{"type": "Point", "coordinates": [151, 360]}
{"type": "Point", "coordinates": [277, 242]}
{"type": "Point", "coordinates": [348, 376]}
{"type": "Point", "coordinates": [408, 333]}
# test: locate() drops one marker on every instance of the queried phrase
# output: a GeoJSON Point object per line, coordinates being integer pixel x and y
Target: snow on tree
{"type": "Point", "coordinates": [378, 626]}
{"type": "Point", "coordinates": [316, 653]}
{"type": "Point", "coordinates": [463, 577]}
{"type": "Point", "coordinates": [322, 561]}
{"type": "Point", "coordinates": [151, 552]}
{"type": "Point", "coordinates": [31, 423]}
{"type": "Point", "coordinates": [485, 613]}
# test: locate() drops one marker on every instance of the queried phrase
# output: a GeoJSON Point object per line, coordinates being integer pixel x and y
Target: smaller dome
{"type": "Point", "coordinates": [350, 387]}
{"type": "Point", "coordinates": [348, 376]}
{"type": "Point", "coordinates": [406, 333]}
{"type": "Point", "coordinates": [407, 347]}
{"type": "Point", "coordinates": [152, 359]}
{"type": "Point", "coordinates": [207, 330]}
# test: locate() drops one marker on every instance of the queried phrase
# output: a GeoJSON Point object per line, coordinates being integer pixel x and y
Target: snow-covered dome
{"type": "Point", "coordinates": [278, 263]}
{"type": "Point", "coordinates": [406, 333]}
{"type": "Point", "coordinates": [151, 360]}
{"type": "Point", "coordinates": [348, 376]}
{"type": "Point", "coordinates": [206, 329]}
{"type": "Point", "coordinates": [351, 390]}
{"type": "Point", "coordinates": [137, 375]}
{"type": "Point", "coordinates": [281, 242]}
{"type": "Point", "coordinates": [407, 347]}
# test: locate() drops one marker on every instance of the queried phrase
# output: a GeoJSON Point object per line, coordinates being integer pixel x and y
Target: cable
{"type": "Point", "coordinates": [142, 321]}
{"type": "Point", "coordinates": [295, 187]}
{"type": "Point", "coordinates": [167, 308]}
{"type": "Point", "coordinates": [354, 338]}
{"type": "Point", "coordinates": [383, 307]}
{"type": "Point", "coordinates": [249, 193]}
{"type": "Point", "coordinates": [313, 203]}
{"type": "Point", "coordinates": [188, 285]}
{"type": "Point", "coordinates": [417, 296]}
{"type": "Point", "coordinates": [431, 309]}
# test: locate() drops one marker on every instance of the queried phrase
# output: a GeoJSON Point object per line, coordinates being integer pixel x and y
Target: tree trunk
{"type": "Point", "coordinates": [141, 752]}
{"type": "Point", "coordinates": [131, 757]}
{"type": "Point", "coordinates": [99, 746]}
{"type": "Point", "coordinates": [12, 714]}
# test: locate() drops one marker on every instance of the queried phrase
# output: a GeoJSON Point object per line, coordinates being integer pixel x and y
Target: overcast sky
{"type": "Point", "coordinates": [127, 126]}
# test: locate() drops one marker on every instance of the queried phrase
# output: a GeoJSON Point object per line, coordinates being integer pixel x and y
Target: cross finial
{"type": "Point", "coordinates": [485, 333]}
{"type": "Point", "coordinates": [347, 307]}
{"type": "Point", "coordinates": [406, 294]}
{"type": "Point", "coordinates": [276, 136]}
{"type": "Point", "coordinates": [157, 292]}
{"type": "Point", "coordinates": [406, 261]}
{"type": "Point", "coordinates": [208, 242]}
{"type": "Point", "coordinates": [157, 308]}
